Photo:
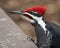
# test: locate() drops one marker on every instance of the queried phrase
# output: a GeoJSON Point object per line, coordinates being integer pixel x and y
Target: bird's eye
{"type": "Point", "coordinates": [34, 13]}
{"type": "Point", "coordinates": [30, 11]}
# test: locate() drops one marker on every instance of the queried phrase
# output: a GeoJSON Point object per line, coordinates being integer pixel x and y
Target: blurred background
{"type": "Point", "coordinates": [52, 13]}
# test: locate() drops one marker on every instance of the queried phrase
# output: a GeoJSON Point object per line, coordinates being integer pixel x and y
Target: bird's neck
{"type": "Point", "coordinates": [42, 23]}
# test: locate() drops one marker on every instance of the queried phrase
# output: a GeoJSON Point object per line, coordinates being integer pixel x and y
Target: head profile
{"type": "Point", "coordinates": [33, 13]}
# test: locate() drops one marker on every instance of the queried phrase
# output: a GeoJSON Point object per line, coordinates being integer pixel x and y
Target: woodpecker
{"type": "Point", "coordinates": [45, 31]}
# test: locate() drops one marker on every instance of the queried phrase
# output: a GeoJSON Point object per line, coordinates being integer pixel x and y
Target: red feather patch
{"type": "Point", "coordinates": [39, 9]}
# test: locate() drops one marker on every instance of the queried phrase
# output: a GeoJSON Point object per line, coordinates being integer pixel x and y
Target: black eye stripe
{"type": "Point", "coordinates": [35, 13]}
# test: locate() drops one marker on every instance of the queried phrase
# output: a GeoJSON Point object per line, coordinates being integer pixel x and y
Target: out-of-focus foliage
{"type": "Point", "coordinates": [52, 12]}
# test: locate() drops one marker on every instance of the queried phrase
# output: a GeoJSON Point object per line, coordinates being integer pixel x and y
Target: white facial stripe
{"type": "Point", "coordinates": [27, 19]}
{"type": "Point", "coordinates": [30, 15]}
{"type": "Point", "coordinates": [39, 20]}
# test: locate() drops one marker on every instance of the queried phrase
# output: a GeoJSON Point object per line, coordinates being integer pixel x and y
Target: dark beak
{"type": "Point", "coordinates": [22, 13]}
{"type": "Point", "coordinates": [17, 12]}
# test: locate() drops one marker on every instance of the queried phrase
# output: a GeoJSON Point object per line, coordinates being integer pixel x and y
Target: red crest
{"type": "Point", "coordinates": [40, 9]}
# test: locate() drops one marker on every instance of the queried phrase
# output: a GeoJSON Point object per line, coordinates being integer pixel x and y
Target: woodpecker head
{"type": "Point", "coordinates": [32, 14]}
